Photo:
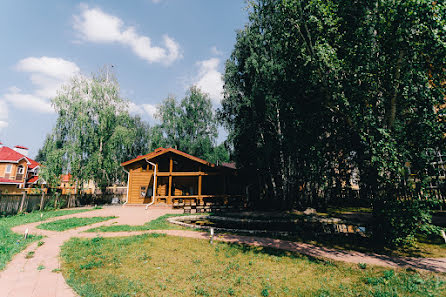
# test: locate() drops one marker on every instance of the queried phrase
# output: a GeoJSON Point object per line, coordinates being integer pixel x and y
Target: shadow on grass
{"type": "Point", "coordinates": [270, 251]}
{"type": "Point", "coordinates": [313, 234]}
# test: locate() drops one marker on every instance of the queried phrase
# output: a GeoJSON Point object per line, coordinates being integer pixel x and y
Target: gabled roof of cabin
{"type": "Point", "coordinates": [161, 151]}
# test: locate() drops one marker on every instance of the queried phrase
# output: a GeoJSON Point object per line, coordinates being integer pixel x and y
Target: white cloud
{"type": "Point", "coordinates": [94, 25]}
{"type": "Point", "coordinates": [143, 110]}
{"type": "Point", "coordinates": [150, 109]}
{"type": "Point", "coordinates": [210, 79]}
{"type": "Point", "coordinates": [53, 67]}
{"type": "Point", "coordinates": [47, 75]}
{"type": "Point", "coordinates": [28, 101]}
{"type": "Point", "coordinates": [3, 124]}
{"type": "Point", "coordinates": [3, 115]}
{"type": "Point", "coordinates": [47, 87]}
{"type": "Point", "coordinates": [135, 109]}
{"type": "Point", "coordinates": [216, 51]}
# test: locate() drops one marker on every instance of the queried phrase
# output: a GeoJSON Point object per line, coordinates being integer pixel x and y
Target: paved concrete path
{"type": "Point", "coordinates": [21, 277]}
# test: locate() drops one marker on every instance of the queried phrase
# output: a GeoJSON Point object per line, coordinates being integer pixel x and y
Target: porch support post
{"type": "Point", "coordinates": [170, 181]}
{"type": "Point", "coordinates": [155, 185]}
{"type": "Point", "coordinates": [200, 183]}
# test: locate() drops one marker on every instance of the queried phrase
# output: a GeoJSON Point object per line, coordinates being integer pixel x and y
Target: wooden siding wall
{"type": "Point", "coordinates": [139, 178]}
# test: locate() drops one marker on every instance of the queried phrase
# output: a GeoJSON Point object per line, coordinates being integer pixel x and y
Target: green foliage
{"type": "Point", "coordinates": [362, 265]}
{"type": "Point", "coordinates": [398, 222]}
{"type": "Point", "coordinates": [191, 126]}
{"type": "Point", "coordinates": [400, 284]}
{"type": "Point", "coordinates": [318, 93]}
{"type": "Point", "coordinates": [93, 134]}
{"type": "Point", "coordinates": [29, 255]}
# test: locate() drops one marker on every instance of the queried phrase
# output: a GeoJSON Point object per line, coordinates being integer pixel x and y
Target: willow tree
{"type": "Point", "coordinates": [93, 133]}
{"type": "Point", "coordinates": [316, 90]}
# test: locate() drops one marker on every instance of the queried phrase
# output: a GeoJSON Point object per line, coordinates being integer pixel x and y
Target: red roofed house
{"type": "Point", "coordinates": [17, 170]}
{"type": "Point", "coordinates": [175, 178]}
{"type": "Point", "coordinates": [68, 185]}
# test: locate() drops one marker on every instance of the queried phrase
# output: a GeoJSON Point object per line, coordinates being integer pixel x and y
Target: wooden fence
{"type": "Point", "coordinates": [350, 197]}
{"type": "Point", "coordinates": [11, 204]}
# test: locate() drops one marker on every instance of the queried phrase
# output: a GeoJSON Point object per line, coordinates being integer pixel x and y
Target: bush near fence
{"type": "Point", "coordinates": [11, 204]}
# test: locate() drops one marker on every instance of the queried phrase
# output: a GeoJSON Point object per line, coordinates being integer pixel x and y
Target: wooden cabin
{"type": "Point", "coordinates": [176, 178]}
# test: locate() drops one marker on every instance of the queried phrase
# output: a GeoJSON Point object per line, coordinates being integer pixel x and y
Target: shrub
{"type": "Point", "coordinates": [397, 222]}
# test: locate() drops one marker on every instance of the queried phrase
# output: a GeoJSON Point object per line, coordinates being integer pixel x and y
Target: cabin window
{"type": "Point", "coordinates": [8, 168]}
{"type": "Point", "coordinates": [143, 191]}
{"type": "Point", "coordinates": [20, 170]}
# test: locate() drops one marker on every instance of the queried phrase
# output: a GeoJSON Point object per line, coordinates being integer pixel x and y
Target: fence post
{"type": "Point", "coordinates": [23, 201]}
{"type": "Point", "coordinates": [55, 201]}
{"type": "Point", "coordinates": [70, 201]}
{"type": "Point", "coordinates": [42, 200]}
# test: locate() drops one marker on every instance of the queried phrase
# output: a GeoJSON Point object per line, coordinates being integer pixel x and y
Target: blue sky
{"type": "Point", "coordinates": [157, 47]}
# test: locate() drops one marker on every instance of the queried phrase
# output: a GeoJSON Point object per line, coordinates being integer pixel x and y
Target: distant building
{"type": "Point", "coordinates": [68, 186]}
{"type": "Point", "coordinates": [17, 170]}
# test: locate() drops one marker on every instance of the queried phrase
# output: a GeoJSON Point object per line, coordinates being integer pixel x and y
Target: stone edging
{"type": "Point", "coordinates": [179, 221]}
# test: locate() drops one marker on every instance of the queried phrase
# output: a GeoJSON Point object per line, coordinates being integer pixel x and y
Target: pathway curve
{"type": "Point", "coordinates": [21, 277]}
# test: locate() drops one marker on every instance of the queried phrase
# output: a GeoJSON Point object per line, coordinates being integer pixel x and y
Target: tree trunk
{"type": "Point", "coordinates": [393, 102]}
{"type": "Point", "coordinates": [282, 165]}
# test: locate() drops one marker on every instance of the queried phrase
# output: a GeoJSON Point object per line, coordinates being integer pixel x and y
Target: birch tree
{"type": "Point", "coordinates": [93, 133]}
{"type": "Point", "coordinates": [191, 126]}
{"type": "Point", "coordinates": [317, 89]}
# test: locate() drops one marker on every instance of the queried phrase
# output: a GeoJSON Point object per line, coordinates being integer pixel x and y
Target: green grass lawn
{"type": "Point", "coordinates": [12, 243]}
{"type": "Point", "coordinates": [159, 265]}
{"type": "Point", "coordinates": [160, 223]}
{"type": "Point", "coordinates": [65, 224]}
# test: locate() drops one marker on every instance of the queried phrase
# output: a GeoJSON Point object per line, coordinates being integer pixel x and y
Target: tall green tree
{"type": "Point", "coordinates": [93, 134]}
{"type": "Point", "coordinates": [191, 125]}
{"type": "Point", "coordinates": [317, 90]}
